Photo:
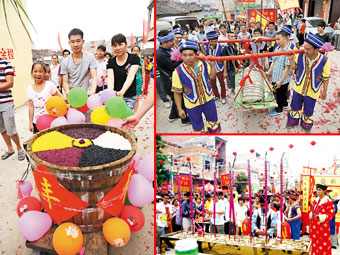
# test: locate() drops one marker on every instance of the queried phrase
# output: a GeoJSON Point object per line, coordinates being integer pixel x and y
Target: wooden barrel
{"type": "Point", "coordinates": [90, 184]}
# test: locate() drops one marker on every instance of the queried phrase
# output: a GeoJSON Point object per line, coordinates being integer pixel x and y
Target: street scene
{"type": "Point", "coordinates": [77, 128]}
{"type": "Point", "coordinates": [244, 92]}
{"type": "Point", "coordinates": [215, 192]}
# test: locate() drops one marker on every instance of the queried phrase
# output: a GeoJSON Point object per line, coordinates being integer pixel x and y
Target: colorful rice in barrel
{"type": "Point", "coordinates": [81, 147]}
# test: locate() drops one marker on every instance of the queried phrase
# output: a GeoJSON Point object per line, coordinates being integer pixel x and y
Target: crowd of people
{"type": "Point", "coordinates": [124, 72]}
{"type": "Point", "coordinates": [175, 216]}
{"type": "Point", "coordinates": [191, 83]}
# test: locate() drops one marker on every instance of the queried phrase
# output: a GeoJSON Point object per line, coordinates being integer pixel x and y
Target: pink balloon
{"type": "Point", "coordinates": [146, 167]}
{"type": "Point", "coordinates": [115, 123]}
{"type": "Point", "coordinates": [59, 121]}
{"type": "Point", "coordinates": [44, 121]}
{"type": "Point", "coordinates": [34, 224]}
{"type": "Point", "coordinates": [106, 94]}
{"type": "Point", "coordinates": [140, 191]}
{"type": "Point", "coordinates": [75, 117]}
{"type": "Point", "coordinates": [94, 101]}
{"type": "Point", "coordinates": [25, 188]}
{"type": "Point", "coordinates": [136, 158]}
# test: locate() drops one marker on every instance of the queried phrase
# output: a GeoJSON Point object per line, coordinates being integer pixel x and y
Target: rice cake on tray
{"type": "Point", "coordinates": [242, 245]}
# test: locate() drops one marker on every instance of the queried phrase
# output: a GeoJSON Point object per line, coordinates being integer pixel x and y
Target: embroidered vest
{"type": "Point", "coordinates": [316, 70]}
{"type": "Point", "coordinates": [191, 88]}
{"type": "Point", "coordinates": [218, 51]}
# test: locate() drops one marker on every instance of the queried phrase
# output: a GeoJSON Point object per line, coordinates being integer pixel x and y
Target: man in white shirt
{"type": "Point", "coordinates": [243, 34]}
{"type": "Point", "coordinates": [54, 70]}
{"type": "Point", "coordinates": [218, 220]}
{"type": "Point", "coordinates": [161, 215]}
{"type": "Point", "coordinates": [223, 34]}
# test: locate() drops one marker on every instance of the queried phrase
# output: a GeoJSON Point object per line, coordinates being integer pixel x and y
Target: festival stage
{"type": "Point", "coordinates": [221, 244]}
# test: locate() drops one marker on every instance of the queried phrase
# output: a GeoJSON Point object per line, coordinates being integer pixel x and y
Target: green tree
{"type": "Point", "coordinates": [162, 174]}
{"type": "Point", "coordinates": [241, 182]}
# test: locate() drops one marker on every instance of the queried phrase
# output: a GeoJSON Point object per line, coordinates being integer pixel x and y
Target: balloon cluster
{"type": "Point", "coordinates": [140, 193]}
{"type": "Point", "coordinates": [106, 107]}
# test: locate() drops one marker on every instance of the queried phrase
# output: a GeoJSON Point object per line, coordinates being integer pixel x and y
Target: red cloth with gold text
{"type": "Point", "coordinates": [322, 212]}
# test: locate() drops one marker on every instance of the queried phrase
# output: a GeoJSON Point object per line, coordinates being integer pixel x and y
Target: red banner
{"type": "Point", "coordinates": [269, 14]}
{"type": "Point", "coordinates": [132, 41]}
{"type": "Point", "coordinates": [59, 203]}
{"type": "Point", "coordinates": [184, 180]}
{"type": "Point", "coordinates": [246, 1]}
{"type": "Point", "coordinates": [146, 30]}
{"type": "Point", "coordinates": [225, 179]}
{"type": "Point", "coordinates": [113, 202]}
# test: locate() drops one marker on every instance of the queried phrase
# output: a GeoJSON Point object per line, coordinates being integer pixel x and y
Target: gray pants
{"type": "Point", "coordinates": [186, 224]}
{"type": "Point", "coordinates": [337, 41]}
{"type": "Point", "coordinates": [219, 228]}
{"type": "Point", "coordinates": [161, 231]}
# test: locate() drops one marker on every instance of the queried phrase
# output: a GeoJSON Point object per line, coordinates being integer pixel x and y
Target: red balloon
{"type": "Point", "coordinates": [312, 143]}
{"type": "Point", "coordinates": [84, 108]}
{"type": "Point", "coordinates": [44, 121]}
{"type": "Point", "coordinates": [252, 151]}
{"type": "Point", "coordinates": [234, 153]}
{"type": "Point", "coordinates": [28, 204]}
{"type": "Point", "coordinates": [134, 217]}
{"type": "Point", "coordinates": [188, 159]}
{"type": "Point", "coordinates": [217, 155]}
{"type": "Point", "coordinates": [271, 148]}
{"type": "Point", "coordinates": [291, 146]}
{"type": "Point", "coordinates": [161, 162]}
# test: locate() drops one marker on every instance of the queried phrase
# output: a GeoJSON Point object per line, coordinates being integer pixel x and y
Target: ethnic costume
{"type": "Point", "coordinates": [219, 66]}
{"type": "Point", "coordinates": [295, 225]}
{"type": "Point", "coordinates": [321, 214]}
{"type": "Point", "coordinates": [176, 31]}
{"type": "Point", "coordinates": [309, 76]}
{"type": "Point", "coordinates": [197, 93]}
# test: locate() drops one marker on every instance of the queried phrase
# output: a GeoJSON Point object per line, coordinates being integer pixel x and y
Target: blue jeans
{"type": "Point", "coordinates": [160, 89]}
{"type": "Point", "coordinates": [130, 101]}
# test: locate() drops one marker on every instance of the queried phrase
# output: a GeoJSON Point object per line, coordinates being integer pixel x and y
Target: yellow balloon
{"type": "Point", "coordinates": [56, 106]}
{"type": "Point", "coordinates": [99, 116]}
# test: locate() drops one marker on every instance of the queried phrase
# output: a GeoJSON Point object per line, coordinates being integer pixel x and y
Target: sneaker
{"type": "Point", "coordinates": [224, 100]}
{"type": "Point", "coordinates": [173, 118]}
{"type": "Point", "coordinates": [185, 121]}
{"type": "Point", "coordinates": [217, 98]}
{"type": "Point", "coordinates": [167, 104]}
{"type": "Point", "coordinates": [289, 126]}
{"type": "Point", "coordinates": [285, 107]}
{"type": "Point", "coordinates": [274, 112]}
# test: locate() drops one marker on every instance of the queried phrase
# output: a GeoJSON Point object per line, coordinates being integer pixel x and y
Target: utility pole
{"type": "Point", "coordinates": [225, 15]}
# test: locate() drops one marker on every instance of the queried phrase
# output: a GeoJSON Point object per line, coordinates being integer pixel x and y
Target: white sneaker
{"type": "Point", "coordinates": [167, 104]}
{"type": "Point", "coordinates": [224, 101]}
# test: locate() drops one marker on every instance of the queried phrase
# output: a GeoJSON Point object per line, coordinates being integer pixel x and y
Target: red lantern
{"type": "Point", "coordinates": [252, 151]}
{"type": "Point", "coordinates": [286, 233]}
{"type": "Point", "coordinates": [312, 143]}
{"type": "Point", "coordinates": [188, 159]}
{"type": "Point", "coordinates": [161, 162]}
{"type": "Point", "coordinates": [175, 160]}
{"type": "Point", "coordinates": [285, 172]}
{"type": "Point", "coordinates": [217, 155]}
{"type": "Point", "coordinates": [271, 148]}
{"type": "Point", "coordinates": [240, 179]}
{"type": "Point", "coordinates": [234, 153]}
{"type": "Point", "coordinates": [28, 204]}
{"type": "Point", "coordinates": [291, 146]}
{"type": "Point", "coordinates": [261, 173]}
{"type": "Point", "coordinates": [246, 227]}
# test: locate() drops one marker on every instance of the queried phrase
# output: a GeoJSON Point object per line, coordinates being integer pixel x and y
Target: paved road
{"type": "Point", "coordinates": [326, 117]}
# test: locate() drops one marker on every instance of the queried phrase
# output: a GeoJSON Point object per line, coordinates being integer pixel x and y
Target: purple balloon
{"type": "Point", "coordinates": [59, 121]}
{"type": "Point", "coordinates": [140, 191]}
{"type": "Point", "coordinates": [94, 101]}
{"type": "Point", "coordinates": [106, 94]}
{"type": "Point", "coordinates": [34, 224]}
{"type": "Point", "coordinates": [75, 117]}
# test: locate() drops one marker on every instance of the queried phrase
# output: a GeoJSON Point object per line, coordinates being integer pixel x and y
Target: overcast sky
{"type": "Point", "coordinates": [320, 155]}
{"type": "Point", "coordinates": [99, 19]}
